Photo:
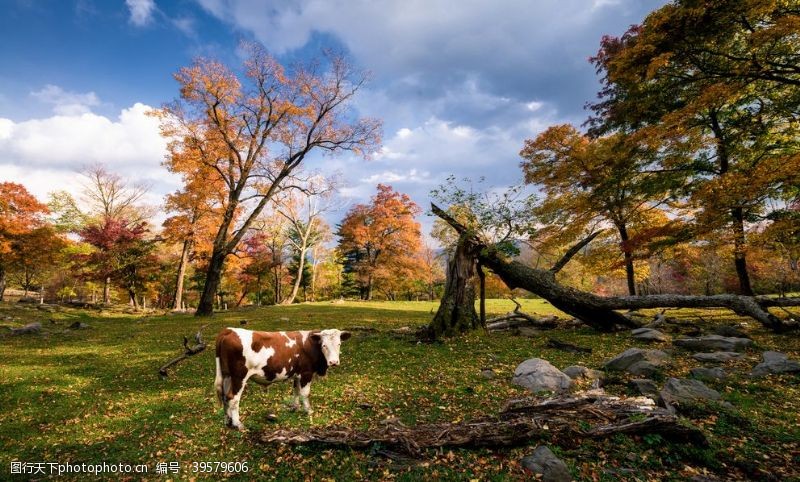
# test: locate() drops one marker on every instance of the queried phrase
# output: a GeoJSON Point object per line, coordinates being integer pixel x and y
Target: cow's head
{"type": "Point", "coordinates": [330, 341]}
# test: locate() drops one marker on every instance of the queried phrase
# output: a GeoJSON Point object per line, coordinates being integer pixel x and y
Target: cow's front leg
{"type": "Point", "coordinates": [296, 398]}
{"type": "Point", "coordinates": [232, 408]}
{"type": "Point", "coordinates": [305, 391]}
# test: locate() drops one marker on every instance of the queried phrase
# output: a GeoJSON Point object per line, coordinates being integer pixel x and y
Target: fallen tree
{"type": "Point", "coordinates": [594, 416]}
{"type": "Point", "coordinates": [188, 351]}
{"type": "Point", "coordinates": [600, 311]}
{"type": "Point", "coordinates": [517, 318]}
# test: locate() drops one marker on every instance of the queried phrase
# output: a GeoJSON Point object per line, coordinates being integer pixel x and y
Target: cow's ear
{"type": "Point", "coordinates": [316, 338]}
{"type": "Point", "coordinates": [345, 335]}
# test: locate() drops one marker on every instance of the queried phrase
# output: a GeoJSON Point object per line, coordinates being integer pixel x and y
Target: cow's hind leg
{"type": "Point", "coordinates": [296, 398]}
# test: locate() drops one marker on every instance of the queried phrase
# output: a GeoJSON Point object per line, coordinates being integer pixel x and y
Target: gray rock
{"type": "Point", "coordinates": [684, 391]}
{"type": "Point", "coordinates": [714, 343]}
{"type": "Point", "coordinates": [78, 325]}
{"type": "Point", "coordinates": [775, 363]}
{"type": "Point", "coordinates": [710, 374]}
{"type": "Point", "coordinates": [538, 375]}
{"type": "Point", "coordinates": [649, 334]}
{"type": "Point", "coordinates": [576, 371]}
{"type": "Point", "coordinates": [730, 331]}
{"type": "Point", "coordinates": [543, 462]}
{"type": "Point", "coordinates": [637, 361]}
{"type": "Point", "coordinates": [645, 386]}
{"type": "Point", "coordinates": [717, 356]}
{"type": "Point", "coordinates": [28, 329]}
{"type": "Point", "coordinates": [487, 373]}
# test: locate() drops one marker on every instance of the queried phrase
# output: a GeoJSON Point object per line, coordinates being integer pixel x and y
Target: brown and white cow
{"type": "Point", "coordinates": [267, 357]}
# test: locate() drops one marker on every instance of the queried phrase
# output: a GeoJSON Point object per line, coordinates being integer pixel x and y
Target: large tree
{"type": "Point", "coordinates": [20, 213]}
{"type": "Point", "coordinates": [613, 179]}
{"type": "Point", "coordinates": [380, 239]}
{"type": "Point", "coordinates": [252, 131]}
{"type": "Point", "coordinates": [721, 77]}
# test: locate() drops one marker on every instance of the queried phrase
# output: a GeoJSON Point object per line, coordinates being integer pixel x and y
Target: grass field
{"type": "Point", "coordinates": [95, 396]}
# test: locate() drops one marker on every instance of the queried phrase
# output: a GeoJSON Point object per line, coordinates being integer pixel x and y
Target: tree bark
{"type": "Point", "coordinates": [178, 298]}
{"type": "Point", "coordinates": [2, 281]}
{"type": "Point", "coordinates": [598, 311]}
{"type": "Point", "coordinates": [626, 250]}
{"type": "Point", "coordinates": [107, 290]}
{"type": "Point", "coordinates": [739, 256]}
{"type": "Point", "coordinates": [456, 312]}
{"type": "Point", "coordinates": [213, 277]}
{"type": "Point", "coordinates": [299, 278]}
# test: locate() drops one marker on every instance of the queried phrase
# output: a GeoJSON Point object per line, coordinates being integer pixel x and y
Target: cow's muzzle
{"type": "Point", "coordinates": [332, 363]}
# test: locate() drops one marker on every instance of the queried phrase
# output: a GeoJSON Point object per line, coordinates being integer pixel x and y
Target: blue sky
{"type": "Point", "coordinates": [459, 84]}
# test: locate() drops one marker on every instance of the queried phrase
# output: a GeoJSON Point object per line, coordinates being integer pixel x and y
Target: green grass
{"type": "Point", "coordinates": [95, 396]}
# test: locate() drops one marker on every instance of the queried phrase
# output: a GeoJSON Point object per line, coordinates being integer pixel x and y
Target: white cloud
{"type": "Point", "coordinates": [66, 103]}
{"type": "Point", "coordinates": [141, 11]}
{"type": "Point", "coordinates": [47, 154]}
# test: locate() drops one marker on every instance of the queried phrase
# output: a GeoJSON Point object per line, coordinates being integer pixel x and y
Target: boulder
{"type": "Point", "coordinates": [714, 343]}
{"type": "Point", "coordinates": [717, 356]}
{"type": "Point", "coordinates": [538, 375]}
{"type": "Point", "coordinates": [729, 331]}
{"type": "Point", "coordinates": [543, 462]}
{"type": "Point", "coordinates": [645, 386]}
{"type": "Point", "coordinates": [637, 361]}
{"type": "Point", "coordinates": [775, 363]}
{"type": "Point", "coordinates": [684, 391]}
{"type": "Point", "coordinates": [28, 329]}
{"type": "Point", "coordinates": [580, 372]}
{"type": "Point", "coordinates": [649, 334]}
{"type": "Point", "coordinates": [487, 373]}
{"type": "Point", "coordinates": [709, 374]}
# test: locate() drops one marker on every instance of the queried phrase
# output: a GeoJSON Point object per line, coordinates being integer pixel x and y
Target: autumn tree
{"type": "Point", "coordinates": [34, 255]}
{"type": "Point", "coordinates": [20, 214]}
{"type": "Point", "coordinates": [588, 181]}
{"type": "Point", "coordinates": [196, 210]}
{"type": "Point", "coordinates": [380, 239]}
{"type": "Point", "coordinates": [122, 254]}
{"type": "Point", "coordinates": [252, 131]}
{"type": "Point", "coordinates": [723, 78]}
{"type": "Point", "coordinates": [303, 207]}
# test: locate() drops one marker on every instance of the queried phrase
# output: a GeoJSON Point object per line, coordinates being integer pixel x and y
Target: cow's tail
{"type": "Point", "coordinates": [219, 380]}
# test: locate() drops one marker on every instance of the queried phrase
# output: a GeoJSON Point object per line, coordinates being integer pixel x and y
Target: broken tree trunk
{"type": "Point", "coordinates": [199, 346]}
{"type": "Point", "coordinates": [599, 311]}
{"type": "Point", "coordinates": [456, 312]}
{"type": "Point", "coordinates": [520, 422]}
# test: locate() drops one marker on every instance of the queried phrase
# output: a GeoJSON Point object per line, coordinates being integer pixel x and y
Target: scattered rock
{"type": "Point", "coordinates": [487, 373]}
{"type": "Point", "coordinates": [775, 363]}
{"type": "Point", "coordinates": [645, 386]}
{"type": "Point", "coordinates": [709, 374]}
{"type": "Point", "coordinates": [528, 331]}
{"type": "Point", "coordinates": [729, 331]}
{"type": "Point", "coordinates": [714, 343]}
{"type": "Point", "coordinates": [403, 330]}
{"type": "Point", "coordinates": [684, 391]}
{"type": "Point", "coordinates": [365, 406]}
{"type": "Point", "coordinates": [242, 322]}
{"type": "Point", "coordinates": [649, 334]}
{"type": "Point", "coordinates": [78, 325]}
{"type": "Point", "coordinates": [717, 356]}
{"type": "Point", "coordinates": [576, 371]}
{"type": "Point", "coordinates": [338, 302]}
{"type": "Point", "coordinates": [28, 329]}
{"type": "Point", "coordinates": [538, 375]}
{"type": "Point", "coordinates": [544, 462]}
{"type": "Point", "coordinates": [637, 361]}
{"type": "Point", "coordinates": [283, 319]}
